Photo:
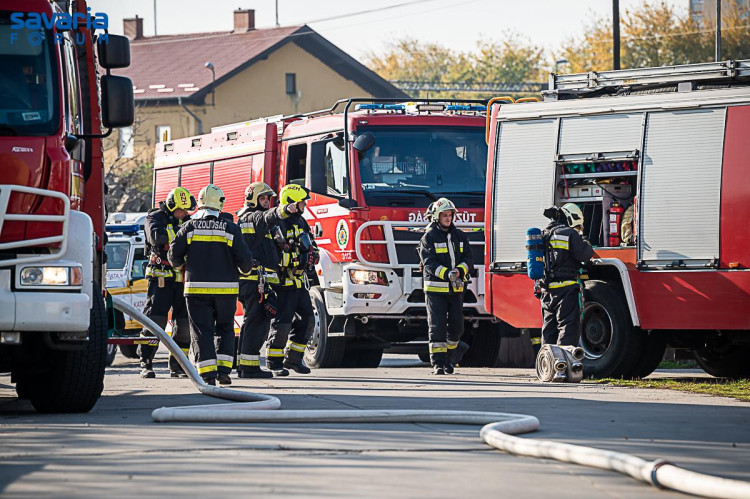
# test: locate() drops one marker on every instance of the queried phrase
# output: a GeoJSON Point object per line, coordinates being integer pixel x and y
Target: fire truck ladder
{"type": "Point", "coordinates": [719, 72]}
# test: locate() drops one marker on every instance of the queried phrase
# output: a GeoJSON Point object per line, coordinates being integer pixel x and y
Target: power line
{"type": "Point", "coordinates": [369, 11]}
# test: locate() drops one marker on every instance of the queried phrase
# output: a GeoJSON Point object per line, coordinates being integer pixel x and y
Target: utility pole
{"type": "Point", "coordinates": [277, 13]}
{"type": "Point", "coordinates": [154, 17]}
{"type": "Point", "coordinates": [718, 31]}
{"type": "Point", "coordinates": [616, 34]}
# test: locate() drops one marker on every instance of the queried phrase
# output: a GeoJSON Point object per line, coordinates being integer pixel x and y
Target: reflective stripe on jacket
{"type": "Point", "coordinates": [255, 225]}
{"type": "Point", "coordinates": [160, 229]}
{"type": "Point", "coordinates": [440, 252]}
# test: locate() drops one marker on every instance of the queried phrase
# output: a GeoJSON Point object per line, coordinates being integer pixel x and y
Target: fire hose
{"type": "Point", "coordinates": [498, 430]}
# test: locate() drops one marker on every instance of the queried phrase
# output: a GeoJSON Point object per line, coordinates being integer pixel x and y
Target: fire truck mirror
{"type": "Point", "coordinates": [118, 105]}
{"type": "Point", "coordinates": [363, 142]}
{"type": "Point", "coordinates": [318, 183]}
{"type": "Point", "coordinates": [347, 203]}
{"type": "Point", "coordinates": [115, 53]}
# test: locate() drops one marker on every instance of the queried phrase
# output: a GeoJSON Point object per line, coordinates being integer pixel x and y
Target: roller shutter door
{"type": "Point", "coordinates": [680, 187]}
{"type": "Point", "coordinates": [195, 177]}
{"type": "Point", "coordinates": [601, 134]}
{"type": "Point", "coordinates": [524, 177]}
{"type": "Point", "coordinates": [164, 181]}
{"type": "Point", "coordinates": [233, 176]}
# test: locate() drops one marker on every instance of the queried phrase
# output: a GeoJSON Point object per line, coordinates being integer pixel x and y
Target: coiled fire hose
{"type": "Point", "coordinates": [498, 429]}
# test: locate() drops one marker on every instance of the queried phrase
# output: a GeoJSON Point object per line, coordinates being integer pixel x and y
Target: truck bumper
{"type": "Point", "coordinates": [41, 311]}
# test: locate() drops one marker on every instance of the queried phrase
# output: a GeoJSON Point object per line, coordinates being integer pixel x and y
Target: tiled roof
{"type": "Point", "coordinates": [173, 66]}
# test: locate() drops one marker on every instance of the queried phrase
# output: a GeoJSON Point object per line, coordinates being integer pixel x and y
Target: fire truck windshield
{"type": "Point", "coordinates": [28, 78]}
{"type": "Point", "coordinates": [414, 165]}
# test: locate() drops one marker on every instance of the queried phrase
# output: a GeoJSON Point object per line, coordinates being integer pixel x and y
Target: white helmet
{"type": "Point", "coordinates": [211, 197]}
{"type": "Point", "coordinates": [573, 215]}
{"type": "Point", "coordinates": [439, 206]}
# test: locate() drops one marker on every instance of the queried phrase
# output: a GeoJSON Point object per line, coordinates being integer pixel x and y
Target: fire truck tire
{"type": "Point", "coordinates": [424, 357]}
{"type": "Point", "coordinates": [724, 360]}
{"type": "Point", "coordinates": [363, 358]}
{"type": "Point", "coordinates": [111, 354]}
{"type": "Point", "coordinates": [652, 353]}
{"type": "Point", "coordinates": [484, 345]}
{"type": "Point", "coordinates": [322, 351]}
{"type": "Point", "coordinates": [129, 351]}
{"type": "Point", "coordinates": [76, 377]}
{"type": "Point", "coordinates": [612, 347]}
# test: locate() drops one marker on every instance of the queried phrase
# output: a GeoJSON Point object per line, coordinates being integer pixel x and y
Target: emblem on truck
{"type": "Point", "coordinates": [342, 234]}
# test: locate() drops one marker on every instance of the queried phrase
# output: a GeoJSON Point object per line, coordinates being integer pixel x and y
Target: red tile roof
{"type": "Point", "coordinates": [171, 66]}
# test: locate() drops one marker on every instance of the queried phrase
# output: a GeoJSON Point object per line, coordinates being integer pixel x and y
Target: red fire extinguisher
{"type": "Point", "coordinates": [615, 218]}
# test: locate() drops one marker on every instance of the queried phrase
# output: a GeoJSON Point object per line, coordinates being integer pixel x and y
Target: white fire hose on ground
{"type": "Point", "coordinates": [498, 429]}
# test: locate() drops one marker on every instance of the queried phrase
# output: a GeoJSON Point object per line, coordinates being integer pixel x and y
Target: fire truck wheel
{"type": "Point", "coordinates": [607, 336]}
{"type": "Point", "coordinates": [129, 351]}
{"type": "Point", "coordinates": [424, 357]}
{"type": "Point", "coordinates": [111, 353]}
{"type": "Point", "coordinates": [722, 359]}
{"type": "Point", "coordinates": [484, 345]}
{"type": "Point", "coordinates": [76, 377]}
{"type": "Point", "coordinates": [362, 358]}
{"type": "Point", "coordinates": [322, 350]}
{"type": "Point", "coordinates": [652, 353]}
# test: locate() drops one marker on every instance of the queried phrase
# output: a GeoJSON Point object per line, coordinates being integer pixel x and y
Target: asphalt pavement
{"type": "Point", "coordinates": [117, 451]}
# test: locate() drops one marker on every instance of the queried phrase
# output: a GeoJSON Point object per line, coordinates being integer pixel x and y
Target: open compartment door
{"type": "Point", "coordinates": [680, 189]}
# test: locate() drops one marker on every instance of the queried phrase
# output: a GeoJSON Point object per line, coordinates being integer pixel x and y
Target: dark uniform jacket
{"type": "Point", "coordinates": [213, 252]}
{"type": "Point", "coordinates": [440, 252]}
{"type": "Point", "coordinates": [255, 224]}
{"type": "Point", "coordinates": [292, 262]}
{"type": "Point", "coordinates": [160, 230]}
{"type": "Point", "coordinates": [566, 250]}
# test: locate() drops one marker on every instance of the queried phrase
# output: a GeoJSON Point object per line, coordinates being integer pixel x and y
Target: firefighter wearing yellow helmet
{"type": "Point", "coordinates": [259, 304]}
{"type": "Point", "coordinates": [446, 261]}
{"type": "Point", "coordinates": [213, 253]}
{"type": "Point", "coordinates": [165, 286]}
{"type": "Point", "coordinates": [566, 251]}
{"type": "Point", "coordinates": [296, 256]}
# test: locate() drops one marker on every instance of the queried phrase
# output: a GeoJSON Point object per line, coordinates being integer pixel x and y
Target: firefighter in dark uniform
{"type": "Point", "coordinates": [165, 286]}
{"type": "Point", "coordinates": [214, 253]}
{"type": "Point", "coordinates": [559, 291]}
{"type": "Point", "coordinates": [446, 259]}
{"type": "Point", "coordinates": [296, 255]}
{"type": "Point", "coordinates": [255, 221]}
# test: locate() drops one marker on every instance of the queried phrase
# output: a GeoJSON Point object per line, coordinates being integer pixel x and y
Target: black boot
{"type": "Point", "coordinates": [276, 367]}
{"type": "Point", "coordinates": [254, 372]}
{"type": "Point", "coordinates": [448, 368]}
{"type": "Point", "coordinates": [457, 354]}
{"type": "Point", "coordinates": [147, 370]}
{"type": "Point", "coordinates": [436, 369]}
{"type": "Point", "coordinates": [300, 368]}
{"type": "Point", "coordinates": [210, 381]}
{"type": "Point", "coordinates": [224, 379]}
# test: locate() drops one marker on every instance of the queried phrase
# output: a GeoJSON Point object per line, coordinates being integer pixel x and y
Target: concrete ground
{"type": "Point", "coordinates": [116, 450]}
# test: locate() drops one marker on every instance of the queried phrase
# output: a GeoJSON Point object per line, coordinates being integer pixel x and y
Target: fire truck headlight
{"type": "Point", "coordinates": [366, 277]}
{"type": "Point", "coordinates": [51, 276]}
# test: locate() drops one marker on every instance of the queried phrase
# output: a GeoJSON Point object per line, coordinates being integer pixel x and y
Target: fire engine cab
{"type": "Point", "coordinates": [373, 166]}
{"type": "Point", "coordinates": [669, 147]}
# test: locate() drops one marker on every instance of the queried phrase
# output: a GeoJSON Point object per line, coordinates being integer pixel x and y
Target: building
{"type": "Point", "coordinates": [186, 84]}
{"type": "Point", "coordinates": [704, 11]}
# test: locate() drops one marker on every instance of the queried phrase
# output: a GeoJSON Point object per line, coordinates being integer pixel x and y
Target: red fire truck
{"type": "Point", "coordinates": [52, 320]}
{"type": "Point", "coordinates": [373, 166]}
{"type": "Point", "coordinates": [673, 143]}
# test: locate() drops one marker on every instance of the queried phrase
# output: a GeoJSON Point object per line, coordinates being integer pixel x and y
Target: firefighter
{"type": "Point", "coordinates": [255, 221]}
{"type": "Point", "coordinates": [297, 254]}
{"type": "Point", "coordinates": [446, 259]}
{"type": "Point", "coordinates": [559, 290]}
{"type": "Point", "coordinates": [213, 252]}
{"type": "Point", "coordinates": [165, 284]}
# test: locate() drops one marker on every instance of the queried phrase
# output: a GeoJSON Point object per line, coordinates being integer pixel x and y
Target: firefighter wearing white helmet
{"type": "Point", "coordinates": [296, 256]}
{"type": "Point", "coordinates": [446, 260]}
{"type": "Point", "coordinates": [213, 253]}
{"type": "Point", "coordinates": [559, 291]}
{"type": "Point", "coordinates": [165, 287]}
{"type": "Point", "coordinates": [258, 302]}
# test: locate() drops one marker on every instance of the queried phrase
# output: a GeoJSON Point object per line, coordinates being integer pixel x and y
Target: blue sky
{"type": "Point", "coordinates": [458, 24]}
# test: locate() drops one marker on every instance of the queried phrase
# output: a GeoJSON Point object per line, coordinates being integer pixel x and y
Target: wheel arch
{"type": "Point", "coordinates": [614, 270]}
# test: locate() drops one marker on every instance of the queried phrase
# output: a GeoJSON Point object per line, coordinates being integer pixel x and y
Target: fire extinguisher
{"type": "Point", "coordinates": [615, 218]}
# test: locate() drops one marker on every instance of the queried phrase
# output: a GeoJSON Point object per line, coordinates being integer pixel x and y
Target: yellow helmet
{"type": "Point", "coordinates": [293, 193]}
{"type": "Point", "coordinates": [256, 190]}
{"type": "Point", "coordinates": [439, 206]}
{"type": "Point", "coordinates": [211, 197]}
{"type": "Point", "coordinates": [179, 197]}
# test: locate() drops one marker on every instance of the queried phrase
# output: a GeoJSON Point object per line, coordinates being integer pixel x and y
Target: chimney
{"type": "Point", "coordinates": [133, 28]}
{"type": "Point", "coordinates": [244, 20]}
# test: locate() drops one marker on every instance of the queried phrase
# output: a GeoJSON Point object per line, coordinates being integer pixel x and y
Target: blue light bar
{"type": "Point", "coordinates": [465, 107]}
{"type": "Point", "coordinates": [389, 107]}
{"type": "Point", "coordinates": [129, 229]}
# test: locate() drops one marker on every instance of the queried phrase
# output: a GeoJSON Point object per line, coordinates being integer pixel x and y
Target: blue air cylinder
{"type": "Point", "coordinates": [534, 253]}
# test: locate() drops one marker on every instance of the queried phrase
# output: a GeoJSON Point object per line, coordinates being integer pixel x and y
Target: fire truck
{"type": "Point", "coordinates": [373, 166]}
{"type": "Point", "coordinates": [52, 316]}
{"type": "Point", "coordinates": [670, 142]}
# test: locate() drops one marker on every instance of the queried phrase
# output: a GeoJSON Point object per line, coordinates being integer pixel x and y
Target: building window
{"type": "Point", "coordinates": [291, 83]}
{"type": "Point", "coordinates": [163, 133]}
{"type": "Point", "coordinates": [126, 142]}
